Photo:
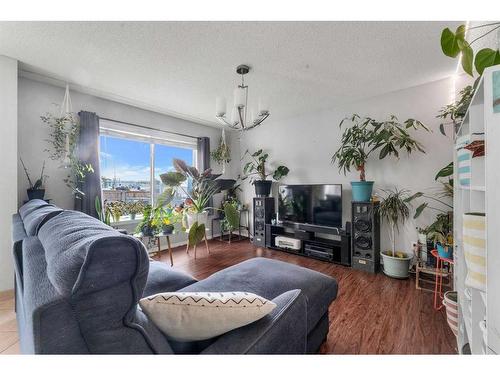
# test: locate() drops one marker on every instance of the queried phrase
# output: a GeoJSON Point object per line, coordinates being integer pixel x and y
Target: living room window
{"type": "Point", "coordinates": [131, 165]}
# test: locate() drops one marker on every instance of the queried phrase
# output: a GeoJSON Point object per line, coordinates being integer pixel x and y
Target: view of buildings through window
{"type": "Point", "coordinates": [127, 165]}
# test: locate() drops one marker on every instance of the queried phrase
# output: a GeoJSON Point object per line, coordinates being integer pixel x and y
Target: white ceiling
{"type": "Point", "coordinates": [180, 67]}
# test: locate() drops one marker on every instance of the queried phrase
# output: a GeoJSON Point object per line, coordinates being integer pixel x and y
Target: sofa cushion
{"type": "Point", "coordinates": [30, 206]}
{"type": "Point", "coordinates": [34, 219]}
{"type": "Point", "coordinates": [269, 278]}
{"type": "Point", "coordinates": [197, 316]}
{"type": "Point", "coordinates": [162, 278]}
{"type": "Point", "coordinates": [103, 274]}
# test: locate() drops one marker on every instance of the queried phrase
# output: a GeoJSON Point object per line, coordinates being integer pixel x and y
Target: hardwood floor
{"type": "Point", "coordinates": [373, 314]}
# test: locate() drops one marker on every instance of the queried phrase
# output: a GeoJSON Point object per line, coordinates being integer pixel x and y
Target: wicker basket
{"type": "Point", "coordinates": [451, 305]}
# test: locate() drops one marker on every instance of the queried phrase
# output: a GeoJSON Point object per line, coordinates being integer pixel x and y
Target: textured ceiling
{"type": "Point", "coordinates": [180, 67]}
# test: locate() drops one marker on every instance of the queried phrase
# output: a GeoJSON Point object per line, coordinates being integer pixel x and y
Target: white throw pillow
{"type": "Point", "coordinates": [193, 316]}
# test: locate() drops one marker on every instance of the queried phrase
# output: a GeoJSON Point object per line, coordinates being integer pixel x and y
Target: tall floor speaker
{"type": "Point", "coordinates": [263, 212]}
{"type": "Point", "coordinates": [365, 236]}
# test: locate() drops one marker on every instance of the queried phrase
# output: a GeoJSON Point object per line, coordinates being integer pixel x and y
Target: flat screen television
{"type": "Point", "coordinates": [311, 204]}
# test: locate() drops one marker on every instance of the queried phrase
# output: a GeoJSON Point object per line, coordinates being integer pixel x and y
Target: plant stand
{"type": "Point", "coordinates": [194, 246]}
{"type": "Point", "coordinates": [153, 244]}
{"type": "Point", "coordinates": [438, 287]}
{"type": "Point", "coordinates": [425, 277]}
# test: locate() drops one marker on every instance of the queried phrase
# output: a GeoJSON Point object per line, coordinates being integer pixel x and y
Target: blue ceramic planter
{"type": "Point", "coordinates": [361, 191]}
{"type": "Point", "coordinates": [445, 252]}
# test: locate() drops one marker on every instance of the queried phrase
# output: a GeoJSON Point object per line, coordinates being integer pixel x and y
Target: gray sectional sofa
{"type": "Point", "coordinates": [78, 283]}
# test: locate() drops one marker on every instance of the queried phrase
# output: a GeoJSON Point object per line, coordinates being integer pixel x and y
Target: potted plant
{"type": "Point", "coordinates": [134, 208]}
{"type": "Point", "coordinates": [394, 208]}
{"type": "Point", "coordinates": [103, 213]}
{"type": "Point", "coordinates": [222, 154]}
{"type": "Point", "coordinates": [366, 136]}
{"type": "Point", "coordinates": [204, 186]}
{"type": "Point", "coordinates": [117, 210]}
{"type": "Point", "coordinates": [164, 219]}
{"type": "Point", "coordinates": [63, 140]}
{"type": "Point", "coordinates": [146, 226]}
{"type": "Point", "coordinates": [440, 233]}
{"type": "Point", "coordinates": [256, 169]}
{"type": "Point", "coordinates": [36, 189]}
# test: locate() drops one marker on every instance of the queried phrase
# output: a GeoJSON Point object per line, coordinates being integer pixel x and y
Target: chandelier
{"type": "Point", "coordinates": [240, 118]}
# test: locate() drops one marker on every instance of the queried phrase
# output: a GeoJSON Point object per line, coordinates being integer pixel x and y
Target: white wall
{"type": "Point", "coordinates": [305, 144]}
{"type": "Point", "coordinates": [8, 150]}
{"type": "Point", "coordinates": [36, 98]}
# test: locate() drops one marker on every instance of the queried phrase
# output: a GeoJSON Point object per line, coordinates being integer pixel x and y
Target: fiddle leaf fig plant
{"type": "Point", "coordinates": [367, 135]}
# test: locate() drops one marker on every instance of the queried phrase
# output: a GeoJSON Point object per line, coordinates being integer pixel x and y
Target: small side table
{"type": "Point", "coordinates": [438, 287]}
{"type": "Point", "coordinates": [157, 239]}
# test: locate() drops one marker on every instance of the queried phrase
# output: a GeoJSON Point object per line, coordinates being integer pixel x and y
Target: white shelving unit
{"type": "Point", "coordinates": [479, 312]}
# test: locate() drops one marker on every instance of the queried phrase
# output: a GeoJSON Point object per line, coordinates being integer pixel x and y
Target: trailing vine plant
{"type": "Point", "coordinates": [63, 139]}
{"type": "Point", "coordinates": [454, 44]}
{"type": "Point", "coordinates": [222, 154]}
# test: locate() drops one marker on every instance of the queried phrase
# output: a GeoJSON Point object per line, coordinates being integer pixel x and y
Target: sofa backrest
{"type": "Point", "coordinates": [100, 274]}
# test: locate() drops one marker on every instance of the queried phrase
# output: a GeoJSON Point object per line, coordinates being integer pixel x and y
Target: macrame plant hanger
{"type": "Point", "coordinates": [66, 111]}
{"type": "Point", "coordinates": [223, 143]}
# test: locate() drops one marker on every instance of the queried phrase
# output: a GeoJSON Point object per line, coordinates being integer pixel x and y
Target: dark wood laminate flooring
{"type": "Point", "coordinates": [373, 314]}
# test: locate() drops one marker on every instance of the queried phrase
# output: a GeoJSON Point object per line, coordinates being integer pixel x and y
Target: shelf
{"type": "Point", "coordinates": [473, 188]}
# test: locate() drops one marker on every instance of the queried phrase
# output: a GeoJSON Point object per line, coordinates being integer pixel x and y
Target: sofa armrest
{"type": "Point", "coordinates": [283, 331]}
{"type": "Point", "coordinates": [162, 278]}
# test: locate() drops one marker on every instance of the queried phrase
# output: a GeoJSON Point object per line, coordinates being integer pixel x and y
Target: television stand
{"type": "Point", "coordinates": [323, 243]}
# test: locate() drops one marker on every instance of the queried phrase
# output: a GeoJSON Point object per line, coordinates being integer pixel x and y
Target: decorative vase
{"type": "Point", "coordinates": [200, 217]}
{"type": "Point", "coordinates": [395, 267]}
{"type": "Point", "coordinates": [263, 188]}
{"type": "Point", "coordinates": [361, 191]}
{"type": "Point", "coordinates": [35, 193]}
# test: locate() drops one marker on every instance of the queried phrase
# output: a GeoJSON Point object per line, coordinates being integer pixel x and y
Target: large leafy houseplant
{"type": "Point", "coordinates": [204, 186]}
{"type": "Point", "coordinates": [454, 44]}
{"type": "Point", "coordinates": [365, 136]}
{"type": "Point", "coordinates": [256, 170]}
{"type": "Point", "coordinates": [395, 210]}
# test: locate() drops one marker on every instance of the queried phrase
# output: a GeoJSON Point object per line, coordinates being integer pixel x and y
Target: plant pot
{"type": "Point", "coordinates": [132, 216]}
{"type": "Point", "coordinates": [147, 231]}
{"type": "Point", "coordinates": [200, 217]}
{"type": "Point", "coordinates": [263, 188]}
{"type": "Point", "coordinates": [361, 191]}
{"type": "Point", "coordinates": [397, 268]}
{"type": "Point", "coordinates": [451, 305]}
{"type": "Point", "coordinates": [445, 251]}
{"type": "Point", "coordinates": [167, 229]}
{"type": "Point", "coordinates": [35, 193]}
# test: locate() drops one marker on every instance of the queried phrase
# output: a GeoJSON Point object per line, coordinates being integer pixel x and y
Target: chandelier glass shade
{"type": "Point", "coordinates": [240, 118]}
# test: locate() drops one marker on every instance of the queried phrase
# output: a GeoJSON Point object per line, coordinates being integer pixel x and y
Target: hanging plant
{"type": "Point", "coordinates": [63, 139]}
{"type": "Point", "coordinates": [222, 154]}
